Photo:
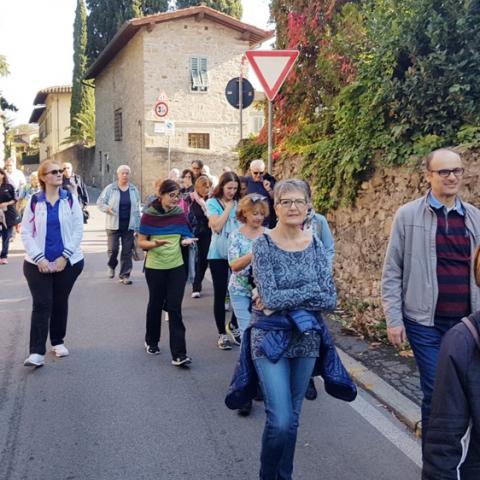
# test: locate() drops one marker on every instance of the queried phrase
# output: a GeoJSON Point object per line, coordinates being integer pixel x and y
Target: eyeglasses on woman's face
{"type": "Point", "coordinates": [288, 202]}
{"type": "Point", "coordinates": [174, 195]}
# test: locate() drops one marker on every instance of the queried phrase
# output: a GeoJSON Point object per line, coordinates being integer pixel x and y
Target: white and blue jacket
{"type": "Point", "coordinates": [34, 228]}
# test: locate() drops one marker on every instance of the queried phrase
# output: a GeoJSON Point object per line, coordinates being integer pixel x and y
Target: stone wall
{"type": "Point", "coordinates": [83, 162]}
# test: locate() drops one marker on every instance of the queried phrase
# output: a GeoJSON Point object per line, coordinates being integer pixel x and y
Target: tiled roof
{"type": "Point", "coordinates": [43, 94]}
{"type": "Point", "coordinates": [248, 32]}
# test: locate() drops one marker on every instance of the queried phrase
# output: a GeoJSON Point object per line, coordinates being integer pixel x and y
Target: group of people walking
{"type": "Point", "coordinates": [273, 254]}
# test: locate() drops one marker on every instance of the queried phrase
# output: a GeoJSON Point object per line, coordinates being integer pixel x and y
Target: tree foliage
{"type": "Point", "coordinates": [82, 92]}
{"type": "Point", "coordinates": [376, 81]}
{"type": "Point", "coordinates": [107, 16]}
{"type": "Point", "coordinates": [230, 7]}
{"type": "Point", "coordinates": [4, 71]}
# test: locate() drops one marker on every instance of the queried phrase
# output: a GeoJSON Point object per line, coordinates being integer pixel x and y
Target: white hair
{"type": "Point", "coordinates": [259, 163]}
{"type": "Point", "coordinates": [124, 167]}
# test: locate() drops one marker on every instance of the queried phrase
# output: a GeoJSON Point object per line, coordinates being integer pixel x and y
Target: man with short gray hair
{"type": "Point", "coordinates": [262, 184]}
{"type": "Point", "coordinates": [428, 284]}
{"type": "Point", "coordinates": [120, 201]}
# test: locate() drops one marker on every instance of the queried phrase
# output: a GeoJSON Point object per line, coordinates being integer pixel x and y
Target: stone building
{"type": "Point", "coordinates": [164, 70]}
{"type": "Point", "coordinates": [52, 113]}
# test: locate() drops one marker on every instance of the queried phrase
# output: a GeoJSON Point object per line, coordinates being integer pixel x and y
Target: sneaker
{"type": "Point", "coordinates": [196, 295]}
{"type": "Point", "coordinates": [111, 272]}
{"type": "Point", "coordinates": [35, 360]}
{"type": "Point", "coordinates": [311, 393]}
{"type": "Point", "coordinates": [152, 349]}
{"type": "Point", "coordinates": [234, 333]}
{"type": "Point", "coordinates": [125, 281]}
{"type": "Point", "coordinates": [224, 342]}
{"type": "Point", "coordinates": [60, 350]}
{"type": "Point", "coordinates": [182, 361]}
{"type": "Point", "coordinates": [3, 261]}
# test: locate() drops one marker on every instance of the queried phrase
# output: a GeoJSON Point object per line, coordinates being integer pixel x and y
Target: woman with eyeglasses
{"type": "Point", "coordinates": [120, 201]}
{"type": "Point", "coordinates": [52, 229]}
{"type": "Point", "coordinates": [163, 231]}
{"type": "Point", "coordinates": [221, 211]}
{"type": "Point", "coordinates": [295, 286]}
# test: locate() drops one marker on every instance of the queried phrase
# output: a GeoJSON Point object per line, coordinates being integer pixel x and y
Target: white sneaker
{"type": "Point", "coordinates": [60, 350]}
{"type": "Point", "coordinates": [196, 295]}
{"type": "Point", "coordinates": [35, 360]}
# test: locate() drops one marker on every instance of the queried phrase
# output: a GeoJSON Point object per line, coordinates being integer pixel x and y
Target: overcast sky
{"type": "Point", "coordinates": [36, 36]}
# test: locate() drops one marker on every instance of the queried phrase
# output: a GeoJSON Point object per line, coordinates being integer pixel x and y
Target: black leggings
{"type": "Point", "coordinates": [166, 288]}
{"type": "Point", "coordinates": [50, 292]}
{"type": "Point", "coordinates": [220, 270]}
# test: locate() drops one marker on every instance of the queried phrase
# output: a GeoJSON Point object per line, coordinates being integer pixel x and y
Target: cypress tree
{"type": "Point", "coordinates": [82, 105]}
{"type": "Point", "coordinates": [230, 7]}
{"type": "Point", "coordinates": [107, 16]}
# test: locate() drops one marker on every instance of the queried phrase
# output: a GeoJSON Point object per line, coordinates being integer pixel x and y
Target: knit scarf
{"type": "Point", "coordinates": [156, 222]}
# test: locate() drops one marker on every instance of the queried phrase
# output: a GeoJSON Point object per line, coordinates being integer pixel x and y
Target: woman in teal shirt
{"type": "Point", "coordinates": [221, 211]}
{"type": "Point", "coordinates": [163, 230]}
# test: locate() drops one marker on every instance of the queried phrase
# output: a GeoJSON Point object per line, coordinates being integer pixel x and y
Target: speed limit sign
{"type": "Point", "coordinates": [160, 109]}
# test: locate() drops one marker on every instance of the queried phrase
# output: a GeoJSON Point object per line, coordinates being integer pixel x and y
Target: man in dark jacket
{"type": "Point", "coordinates": [75, 183]}
{"type": "Point", "coordinates": [452, 444]}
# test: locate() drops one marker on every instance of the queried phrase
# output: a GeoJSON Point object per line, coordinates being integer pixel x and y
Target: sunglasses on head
{"type": "Point", "coordinates": [257, 198]}
{"type": "Point", "coordinates": [55, 172]}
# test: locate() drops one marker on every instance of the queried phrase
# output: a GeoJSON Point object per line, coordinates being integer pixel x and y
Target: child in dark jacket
{"type": "Point", "coordinates": [452, 446]}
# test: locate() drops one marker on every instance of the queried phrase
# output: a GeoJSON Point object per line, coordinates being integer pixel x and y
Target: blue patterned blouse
{"type": "Point", "coordinates": [292, 281]}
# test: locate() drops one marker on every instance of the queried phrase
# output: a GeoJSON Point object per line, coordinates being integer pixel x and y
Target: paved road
{"type": "Point", "coordinates": [109, 411]}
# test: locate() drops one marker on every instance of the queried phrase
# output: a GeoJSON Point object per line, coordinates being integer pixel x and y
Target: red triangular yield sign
{"type": "Point", "coordinates": [272, 68]}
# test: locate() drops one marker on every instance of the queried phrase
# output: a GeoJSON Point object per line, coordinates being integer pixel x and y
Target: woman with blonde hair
{"type": "Point", "coordinates": [52, 229]}
{"type": "Point", "coordinates": [251, 212]}
{"type": "Point", "coordinates": [197, 217]}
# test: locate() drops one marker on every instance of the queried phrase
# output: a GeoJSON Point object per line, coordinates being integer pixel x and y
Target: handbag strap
{"type": "Point", "coordinates": [468, 323]}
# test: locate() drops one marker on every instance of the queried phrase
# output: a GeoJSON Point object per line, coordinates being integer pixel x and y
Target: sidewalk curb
{"type": "Point", "coordinates": [406, 410]}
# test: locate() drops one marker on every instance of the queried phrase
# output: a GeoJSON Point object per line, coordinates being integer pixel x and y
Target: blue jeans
{"type": "Point", "coordinates": [6, 234]}
{"type": "Point", "coordinates": [425, 343]}
{"type": "Point", "coordinates": [241, 305]}
{"type": "Point", "coordinates": [284, 385]}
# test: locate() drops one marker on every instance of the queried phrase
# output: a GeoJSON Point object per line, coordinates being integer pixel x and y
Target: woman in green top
{"type": "Point", "coordinates": [163, 230]}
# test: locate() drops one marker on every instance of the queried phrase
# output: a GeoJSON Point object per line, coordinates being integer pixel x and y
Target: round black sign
{"type": "Point", "coordinates": [232, 92]}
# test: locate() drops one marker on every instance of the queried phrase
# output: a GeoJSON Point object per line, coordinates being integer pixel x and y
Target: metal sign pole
{"type": "Point", "coordinates": [270, 136]}
{"type": "Point", "coordinates": [169, 156]}
{"type": "Point", "coordinates": [240, 103]}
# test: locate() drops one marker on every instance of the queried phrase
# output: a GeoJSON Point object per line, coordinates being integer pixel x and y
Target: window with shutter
{"type": "Point", "coordinates": [199, 74]}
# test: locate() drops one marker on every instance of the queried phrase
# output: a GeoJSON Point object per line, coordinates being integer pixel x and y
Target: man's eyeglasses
{"type": "Point", "coordinates": [55, 172]}
{"type": "Point", "coordinates": [258, 173]}
{"type": "Point", "coordinates": [445, 172]}
{"type": "Point", "coordinates": [288, 202]}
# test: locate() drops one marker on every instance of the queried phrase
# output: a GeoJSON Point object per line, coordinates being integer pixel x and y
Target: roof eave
{"type": "Point", "coordinates": [36, 114]}
{"type": "Point", "coordinates": [131, 27]}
